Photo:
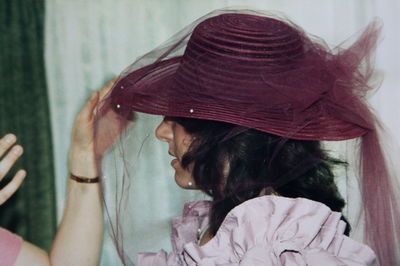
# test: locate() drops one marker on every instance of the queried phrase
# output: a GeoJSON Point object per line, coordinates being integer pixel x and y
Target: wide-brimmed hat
{"type": "Point", "coordinates": [253, 71]}
{"type": "Point", "coordinates": [263, 72]}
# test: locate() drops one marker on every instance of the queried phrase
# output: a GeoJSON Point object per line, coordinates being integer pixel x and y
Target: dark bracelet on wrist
{"type": "Point", "coordinates": [86, 180]}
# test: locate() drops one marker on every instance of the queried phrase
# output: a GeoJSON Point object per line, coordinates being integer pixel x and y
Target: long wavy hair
{"type": "Point", "coordinates": [233, 164]}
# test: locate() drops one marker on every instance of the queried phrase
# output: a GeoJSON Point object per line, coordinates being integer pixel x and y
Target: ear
{"type": "Point", "coordinates": [187, 141]}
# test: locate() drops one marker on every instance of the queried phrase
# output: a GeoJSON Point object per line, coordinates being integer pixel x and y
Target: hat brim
{"type": "Point", "coordinates": [153, 89]}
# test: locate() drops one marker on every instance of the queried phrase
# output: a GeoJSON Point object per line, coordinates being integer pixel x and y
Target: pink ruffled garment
{"type": "Point", "coordinates": [267, 230]}
{"type": "Point", "coordinates": [10, 245]}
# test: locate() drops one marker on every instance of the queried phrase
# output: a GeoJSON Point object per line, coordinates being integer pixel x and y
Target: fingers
{"type": "Point", "coordinates": [6, 142]}
{"type": "Point", "coordinates": [9, 160]}
{"type": "Point", "coordinates": [11, 187]}
{"type": "Point", "coordinates": [103, 92]}
{"type": "Point", "coordinates": [87, 111]}
{"type": "Point", "coordinates": [106, 89]}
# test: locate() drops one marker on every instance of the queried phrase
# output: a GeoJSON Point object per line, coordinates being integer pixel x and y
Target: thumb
{"type": "Point", "coordinates": [88, 109]}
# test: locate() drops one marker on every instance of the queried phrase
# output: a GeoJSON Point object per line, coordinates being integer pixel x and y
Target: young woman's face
{"type": "Point", "coordinates": [178, 143]}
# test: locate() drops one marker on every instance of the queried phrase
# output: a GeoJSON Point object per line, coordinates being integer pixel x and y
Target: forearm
{"type": "Point", "coordinates": [79, 237]}
{"type": "Point", "coordinates": [80, 234]}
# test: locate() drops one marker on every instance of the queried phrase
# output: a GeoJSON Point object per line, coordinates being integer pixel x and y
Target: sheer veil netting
{"type": "Point", "coordinates": [315, 93]}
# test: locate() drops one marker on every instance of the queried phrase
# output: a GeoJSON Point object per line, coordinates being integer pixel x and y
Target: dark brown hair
{"type": "Point", "coordinates": [257, 162]}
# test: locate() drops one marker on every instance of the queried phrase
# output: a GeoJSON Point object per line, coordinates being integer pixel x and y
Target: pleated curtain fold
{"type": "Point", "coordinates": [24, 111]}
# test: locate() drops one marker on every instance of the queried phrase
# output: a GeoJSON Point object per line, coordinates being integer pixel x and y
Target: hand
{"type": "Point", "coordinates": [82, 159]}
{"type": "Point", "coordinates": [6, 163]}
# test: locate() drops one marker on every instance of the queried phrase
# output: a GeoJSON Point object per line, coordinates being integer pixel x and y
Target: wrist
{"type": "Point", "coordinates": [83, 164]}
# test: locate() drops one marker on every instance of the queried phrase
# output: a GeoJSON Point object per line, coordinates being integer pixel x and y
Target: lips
{"type": "Point", "coordinates": [174, 163]}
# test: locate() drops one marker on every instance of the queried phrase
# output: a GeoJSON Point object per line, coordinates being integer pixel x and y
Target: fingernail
{"type": "Point", "coordinates": [17, 150]}
{"type": "Point", "coordinates": [22, 172]}
{"type": "Point", "coordinates": [10, 138]}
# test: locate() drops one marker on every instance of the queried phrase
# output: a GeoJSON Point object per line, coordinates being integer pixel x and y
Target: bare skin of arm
{"type": "Point", "coordinates": [80, 234]}
{"type": "Point", "coordinates": [79, 237]}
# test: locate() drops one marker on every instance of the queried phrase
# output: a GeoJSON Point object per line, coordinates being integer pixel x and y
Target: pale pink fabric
{"type": "Point", "coordinates": [10, 245]}
{"type": "Point", "coordinates": [267, 230]}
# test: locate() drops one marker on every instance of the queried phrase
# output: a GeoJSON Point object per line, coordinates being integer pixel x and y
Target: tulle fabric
{"type": "Point", "coordinates": [315, 93]}
{"type": "Point", "coordinates": [267, 230]}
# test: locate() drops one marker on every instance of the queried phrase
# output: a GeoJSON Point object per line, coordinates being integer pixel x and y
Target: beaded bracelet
{"type": "Point", "coordinates": [86, 180]}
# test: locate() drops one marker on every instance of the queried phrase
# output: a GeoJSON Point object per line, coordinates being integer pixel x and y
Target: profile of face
{"type": "Point", "coordinates": [178, 144]}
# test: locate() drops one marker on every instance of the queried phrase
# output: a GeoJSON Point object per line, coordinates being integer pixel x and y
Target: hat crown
{"type": "Point", "coordinates": [246, 37]}
{"type": "Point", "coordinates": [233, 58]}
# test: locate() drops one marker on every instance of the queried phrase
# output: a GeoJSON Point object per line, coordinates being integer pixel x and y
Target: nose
{"type": "Point", "coordinates": [164, 131]}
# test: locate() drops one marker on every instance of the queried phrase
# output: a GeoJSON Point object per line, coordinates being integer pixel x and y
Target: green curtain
{"type": "Point", "coordinates": [24, 111]}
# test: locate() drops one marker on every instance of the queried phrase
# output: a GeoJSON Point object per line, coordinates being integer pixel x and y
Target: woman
{"type": "Point", "coordinates": [246, 99]}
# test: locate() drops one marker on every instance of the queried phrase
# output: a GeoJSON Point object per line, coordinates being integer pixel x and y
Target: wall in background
{"type": "Point", "coordinates": [89, 42]}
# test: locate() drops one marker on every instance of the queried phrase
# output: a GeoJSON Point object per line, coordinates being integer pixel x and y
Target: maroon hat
{"type": "Point", "coordinates": [253, 71]}
{"type": "Point", "coordinates": [260, 72]}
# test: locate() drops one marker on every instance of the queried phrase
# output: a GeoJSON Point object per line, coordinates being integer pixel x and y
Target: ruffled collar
{"type": "Point", "coordinates": [269, 228]}
{"type": "Point", "coordinates": [188, 227]}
